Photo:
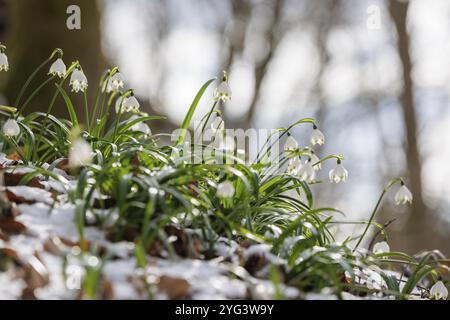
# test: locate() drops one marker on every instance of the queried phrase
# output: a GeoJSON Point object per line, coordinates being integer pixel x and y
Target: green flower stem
{"type": "Point", "coordinates": [22, 108]}
{"type": "Point", "coordinates": [52, 102]}
{"type": "Point", "coordinates": [86, 109]}
{"type": "Point", "coordinates": [33, 74]}
{"type": "Point", "coordinates": [117, 120]}
{"type": "Point", "coordinates": [375, 210]}
{"type": "Point", "coordinates": [97, 95]}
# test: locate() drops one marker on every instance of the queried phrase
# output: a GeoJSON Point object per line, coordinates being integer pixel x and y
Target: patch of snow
{"type": "Point", "coordinates": [32, 194]}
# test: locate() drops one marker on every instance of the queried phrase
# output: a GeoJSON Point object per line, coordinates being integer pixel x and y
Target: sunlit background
{"type": "Point", "coordinates": [375, 75]}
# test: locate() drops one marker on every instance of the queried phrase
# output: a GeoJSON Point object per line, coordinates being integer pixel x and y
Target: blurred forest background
{"type": "Point", "coordinates": [374, 73]}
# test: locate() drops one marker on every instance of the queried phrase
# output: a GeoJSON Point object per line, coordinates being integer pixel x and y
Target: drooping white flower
{"type": "Point", "coordinates": [439, 291]}
{"type": "Point", "coordinates": [58, 68]}
{"type": "Point", "coordinates": [217, 125]}
{"type": "Point", "coordinates": [381, 247]}
{"type": "Point", "coordinates": [225, 190]}
{"type": "Point", "coordinates": [403, 195]}
{"type": "Point", "coordinates": [290, 144]}
{"type": "Point", "coordinates": [317, 165]}
{"type": "Point", "coordinates": [80, 154]}
{"type": "Point", "coordinates": [130, 104]}
{"type": "Point", "coordinates": [339, 173]}
{"type": "Point", "coordinates": [78, 81]}
{"type": "Point", "coordinates": [293, 166]}
{"type": "Point", "coordinates": [116, 82]}
{"type": "Point", "coordinates": [4, 66]}
{"type": "Point", "coordinates": [11, 128]}
{"type": "Point", "coordinates": [317, 137]}
{"type": "Point", "coordinates": [140, 126]}
{"type": "Point", "coordinates": [307, 172]}
{"type": "Point", "coordinates": [222, 92]}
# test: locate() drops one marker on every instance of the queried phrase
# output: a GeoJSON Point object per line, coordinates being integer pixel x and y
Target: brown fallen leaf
{"type": "Point", "coordinates": [9, 225]}
{"type": "Point", "coordinates": [14, 156]}
{"type": "Point", "coordinates": [175, 288]}
{"type": "Point", "coordinates": [54, 246]}
{"type": "Point", "coordinates": [35, 275]}
{"type": "Point", "coordinates": [14, 179]}
{"type": "Point", "coordinates": [106, 290]}
{"type": "Point", "coordinates": [255, 263]}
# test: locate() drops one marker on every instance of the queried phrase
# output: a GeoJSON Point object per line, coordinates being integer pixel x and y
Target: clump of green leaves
{"type": "Point", "coordinates": [136, 187]}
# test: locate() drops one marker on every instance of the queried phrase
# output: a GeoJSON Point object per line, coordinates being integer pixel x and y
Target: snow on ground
{"type": "Point", "coordinates": [51, 237]}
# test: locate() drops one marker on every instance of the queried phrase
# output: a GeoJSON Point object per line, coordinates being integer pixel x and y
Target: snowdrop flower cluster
{"type": "Point", "coordinates": [381, 247]}
{"type": "Point", "coordinates": [127, 104]}
{"type": "Point", "coordinates": [339, 173]}
{"type": "Point", "coordinates": [317, 137]}
{"type": "Point", "coordinates": [308, 171]}
{"type": "Point", "coordinates": [78, 81]}
{"type": "Point", "coordinates": [11, 128]}
{"type": "Point", "coordinates": [439, 291]}
{"type": "Point", "coordinates": [80, 154]}
{"type": "Point", "coordinates": [225, 190]}
{"type": "Point", "coordinates": [403, 195]}
{"type": "Point", "coordinates": [58, 68]}
{"type": "Point", "coordinates": [4, 66]}
{"type": "Point", "coordinates": [223, 90]}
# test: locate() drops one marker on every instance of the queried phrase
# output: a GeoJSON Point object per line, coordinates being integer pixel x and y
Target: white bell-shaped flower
{"type": "Point", "coordinates": [403, 195]}
{"type": "Point", "coordinates": [225, 190]}
{"type": "Point", "coordinates": [78, 81]}
{"type": "Point", "coordinates": [293, 166]}
{"type": "Point", "coordinates": [307, 172]}
{"type": "Point", "coordinates": [140, 126]}
{"type": "Point", "coordinates": [11, 128]}
{"type": "Point", "coordinates": [80, 154]}
{"type": "Point", "coordinates": [116, 82]}
{"type": "Point", "coordinates": [222, 92]}
{"type": "Point", "coordinates": [381, 247]}
{"type": "Point", "coordinates": [4, 66]}
{"type": "Point", "coordinates": [130, 104]}
{"type": "Point", "coordinates": [339, 173]}
{"type": "Point", "coordinates": [317, 137]}
{"type": "Point", "coordinates": [439, 291]}
{"type": "Point", "coordinates": [290, 144]}
{"type": "Point", "coordinates": [58, 68]}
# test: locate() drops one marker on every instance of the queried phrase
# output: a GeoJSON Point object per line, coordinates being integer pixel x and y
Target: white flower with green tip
{"type": "Point", "coordinates": [78, 81]}
{"type": "Point", "coordinates": [225, 190]}
{"type": "Point", "coordinates": [4, 66]}
{"type": "Point", "coordinates": [317, 137]}
{"type": "Point", "coordinates": [307, 172]}
{"type": "Point", "coordinates": [381, 247]}
{"type": "Point", "coordinates": [11, 128]}
{"type": "Point", "coordinates": [403, 195]}
{"type": "Point", "coordinates": [58, 68]}
{"type": "Point", "coordinates": [339, 173]}
{"type": "Point", "coordinates": [438, 291]}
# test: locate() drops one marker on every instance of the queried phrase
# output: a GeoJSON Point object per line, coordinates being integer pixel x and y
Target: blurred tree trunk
{"type": "Point", "coordinates": [419, 225]}
{"type": "Point", "coordinates": [35, 29]}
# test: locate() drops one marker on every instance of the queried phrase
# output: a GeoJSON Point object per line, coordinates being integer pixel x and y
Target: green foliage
{"type": "Point", "coordinates": [145, 185]}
